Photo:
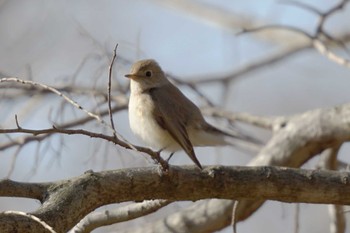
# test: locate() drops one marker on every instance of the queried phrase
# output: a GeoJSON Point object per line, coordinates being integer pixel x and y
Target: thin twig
{"type": "Point", "coordinates": [253, 66]}
{"type": "Point", "coordinates": [69, 100]}
{"type": "Point", "coordinates": [322, 49]}
{"type": "Point", "coordinates": [258, 121]}
{"type": "Point", "coordinates": [336, 212]}
{"type": "Point", "coordinates": [193, 87]}
{"type": "Point", "coordinates": [319, 33]}
{"type": "Point", "coordinates": [297, 218]}
{"type": "Point", "coordinates": [233, 219]}
{"type": "Point", "coordinates": [283, 27]}
{"type": "Point", "coordinates": [16, 119]}
{"type": "Point", "coordinates": [54, 130]}
{"type": "Point", "coordinates": [54, 90]}
{"type": "Point", "coordinates": [26, 139]}
{"type": "Point", "coordinates": [109, 90]}
{"type": "Point", "coordinates": [13, 161]}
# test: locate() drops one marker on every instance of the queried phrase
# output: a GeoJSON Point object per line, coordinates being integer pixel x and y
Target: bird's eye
{"type": "Point", "coordinates": [148, 73]}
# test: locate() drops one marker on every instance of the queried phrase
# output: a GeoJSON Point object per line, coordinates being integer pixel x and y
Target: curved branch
{"type": "Point", "coordinates": [31, 217]}
{"type": "Point", "coordinates": [126, 213]}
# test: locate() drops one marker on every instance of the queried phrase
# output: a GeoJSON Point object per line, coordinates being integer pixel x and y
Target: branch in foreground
{"type": "Point", "coordinates": [126, 213]}
{"type": "Point", "coordinates": [31, 217]}
{"type": "Point", "coordinates": [66, 201]}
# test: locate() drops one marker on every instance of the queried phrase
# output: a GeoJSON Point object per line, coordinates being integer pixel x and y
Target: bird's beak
{"type": "Point", "coordinates": [129, 75]}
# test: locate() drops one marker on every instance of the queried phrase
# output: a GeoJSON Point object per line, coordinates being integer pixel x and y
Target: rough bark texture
{"type": "Point", "coordinates": [66, 202]}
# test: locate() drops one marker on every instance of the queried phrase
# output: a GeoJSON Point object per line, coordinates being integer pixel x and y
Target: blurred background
{"type": "Point", "coordinates": [69, 44]}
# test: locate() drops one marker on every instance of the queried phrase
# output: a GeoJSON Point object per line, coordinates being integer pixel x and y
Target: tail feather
{"type": "Point", "coordinates": [237, 139]}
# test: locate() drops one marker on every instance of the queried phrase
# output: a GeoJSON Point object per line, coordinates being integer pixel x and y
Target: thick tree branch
{"type": "Point", "coordinates": [19, 189]}
{"type": "Point", "coordinates": [68, 200]}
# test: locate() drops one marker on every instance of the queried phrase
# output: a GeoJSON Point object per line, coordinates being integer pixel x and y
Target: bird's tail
{"type": "Point", "coordinates": [237, 139]}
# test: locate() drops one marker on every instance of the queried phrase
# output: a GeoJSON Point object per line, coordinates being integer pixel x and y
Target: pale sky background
{"type": "Point", "coordinates": [47, 40]}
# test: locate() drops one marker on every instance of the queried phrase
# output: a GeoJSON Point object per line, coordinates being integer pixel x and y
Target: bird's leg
{"type": "Point", "coordinates": [163, 163]}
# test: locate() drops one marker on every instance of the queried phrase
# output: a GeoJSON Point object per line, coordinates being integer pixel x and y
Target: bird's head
{"type": "Point", "coordinates": [147, 73]}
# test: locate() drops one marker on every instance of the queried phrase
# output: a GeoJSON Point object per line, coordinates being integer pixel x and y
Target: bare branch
{"type": "Point", "coordinates": [19, 189]}
{"type": "Point", "coordinates": [66, 98]}
{"type": "Point", "coordinates": [233, 220]}
{"type": "Point", "coordinates": [68, 200]}
{"type": "Point", "coordinates": [13, 162]}
{"type": "Point", "coordinates": [193, 87]}
{"type": "Point", "coordinates": [259, 121]}
{"type": "Point", "coordinates": [316, 39]}
{"type": "Point", "coordinates": [109, 89]}
{"type": "Point", "coordinates": [296, 217]}
{"type": "Point", "coordinates": [75, 104]}
{"type": "Point", "coordinates": [322, 49]}
{"type": "Point", "coordinates": [81, 121]}
{"type": "Point", "coordinates": [337, 219]}
{"type": "Point", "coordinates": [254, 66]}
{"type": "Point", "coordinates": [295, 140]}
{"type": "Point", "coordinates": [32, 217]}
{"type": "Point", "coordinates": [280, 27]}
{"type": "Point", "coordinates": [209, 13]}
{"type": "Point", "coordinates": [54, 130]}
{"type": "Point", "coordinates": [108, 217]}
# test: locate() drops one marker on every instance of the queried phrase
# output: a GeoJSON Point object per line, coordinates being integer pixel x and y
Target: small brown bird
{"type": "Point", "coordinates": [163, 117]}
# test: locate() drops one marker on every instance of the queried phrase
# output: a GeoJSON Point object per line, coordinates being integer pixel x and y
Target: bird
{"type": "Point", "coordinates": [163, 117]}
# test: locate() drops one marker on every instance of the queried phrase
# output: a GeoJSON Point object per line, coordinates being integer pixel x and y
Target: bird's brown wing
{"type": "Point", "coordinates": [172, 113]}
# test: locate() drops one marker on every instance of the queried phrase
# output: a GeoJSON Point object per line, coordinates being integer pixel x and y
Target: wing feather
{"type": "Point", "coordinates": [174, 114]}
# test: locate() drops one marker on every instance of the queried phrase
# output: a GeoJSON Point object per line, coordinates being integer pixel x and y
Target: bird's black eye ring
{"type": "Point", "coordinates": [148, 73]}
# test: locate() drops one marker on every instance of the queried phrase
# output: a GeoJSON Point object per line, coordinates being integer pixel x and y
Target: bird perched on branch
{"type": "Point", "coordinates": [166, 119]}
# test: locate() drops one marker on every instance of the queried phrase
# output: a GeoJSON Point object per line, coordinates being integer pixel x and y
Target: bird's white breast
{"type": "Point", "coordinates": [143, 124]}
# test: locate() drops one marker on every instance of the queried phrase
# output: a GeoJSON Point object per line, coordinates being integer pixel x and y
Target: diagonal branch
{"type": "Point", "coordinates": [80, 121]}
{"type": "Point", "coordinates": [54, 130]}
